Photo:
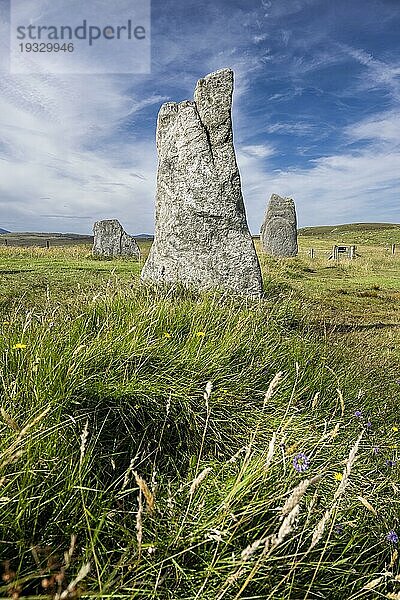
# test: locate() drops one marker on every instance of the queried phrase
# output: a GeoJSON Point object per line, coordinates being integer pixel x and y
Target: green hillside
{"type": "Point", "coordinates": [366, 233]}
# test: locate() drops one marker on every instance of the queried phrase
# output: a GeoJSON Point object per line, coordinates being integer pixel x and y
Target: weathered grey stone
{"type": "Point", "coordinates": [279, 230]}
{"type": "Point", "coordinates": [201, 235]}
{"type": "Point", "coordinates": [110, 240]}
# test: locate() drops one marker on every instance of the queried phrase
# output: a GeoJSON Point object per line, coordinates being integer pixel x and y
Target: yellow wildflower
{"type": "Point", "coordinates": [167, 335]}
{"type": "Point", "coordinates": [338, 476]}
{"type": "Point", "coordinates": [292, 448]}
{"type": "Point", "coordinates": [395, 428]}
{"type": "Point", "coordinates": [19, 346]}
{"type": "Point", "coordinates": [200, 334]}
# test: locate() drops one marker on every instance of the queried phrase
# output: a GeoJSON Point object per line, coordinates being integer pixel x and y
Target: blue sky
{"type": "Point", "coordinates": [316, 116]}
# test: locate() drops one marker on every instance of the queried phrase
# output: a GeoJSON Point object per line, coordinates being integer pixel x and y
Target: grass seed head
{"type": "Point", "coordinates": [84, 438]}
{"type": "Point", "coordinates": [144, 488]}
{"type": "Point", "coordinates": [272, 387]}
{"type": "Point", "coordinates": [198, 480]}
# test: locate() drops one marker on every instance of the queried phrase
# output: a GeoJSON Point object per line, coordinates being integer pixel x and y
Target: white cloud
{"type": "Point", "coordinates": [62, 152]}
{"type": "Point", "coordinates": [298, 128]}
{"type": "Point", "coordinates": [258, 150]}
{"type": "Point", "coordinates": [261, 37]}
{"type": "Point", "coordinates": [383, 127]}
{"type": "Point", "coordinates": [353, 186]}
{"type": "Point", "coordinates": [335, 189]}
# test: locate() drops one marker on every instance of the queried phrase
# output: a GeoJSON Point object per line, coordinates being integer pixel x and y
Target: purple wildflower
{"type": "Point", "coordinates": [339, 528]}
{"type": "Point", "coordinates": [368, 424]}
{"type": "Point", "coordinates": [392, 537]}
{"type": "Point", "coordinates": [301, 462]}
{"type": "Point", "coordinates": [358, 414]}
{"type": "Point", "coordinates": [398, 381]}
{"type": "Point", "coordinates": [390, 463]}
{"type": "Point", "coordinates": [375, 450]}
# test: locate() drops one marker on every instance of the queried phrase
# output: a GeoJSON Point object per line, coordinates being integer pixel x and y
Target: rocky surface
{"type": "Point", "coordinates": [111, 240]}
{"type": "Point", "coordinates": [201, 235]}
{"type": "Point", "coordinates": [279, 230]}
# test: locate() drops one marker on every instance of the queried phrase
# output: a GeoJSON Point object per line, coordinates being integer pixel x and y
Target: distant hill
{"type": "Point", "coordinates": [25, 238]}
{"type": "Point", "coordinates": [3, 231]}
{"type": "Point", "coordinates": [347, 228]}
{"type": "Point", "coordinates": [370, 234]}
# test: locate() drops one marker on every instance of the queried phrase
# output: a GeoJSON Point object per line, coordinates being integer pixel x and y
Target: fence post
{"type": "Point", "coordinates": [393, 248]}
{"type": "Point", "coordinates": [47, 243]}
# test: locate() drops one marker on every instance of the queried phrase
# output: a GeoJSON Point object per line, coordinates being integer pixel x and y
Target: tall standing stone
{"type": "Point", "coordinates": [201, 235]}
{"type": "Point", "coordinates": [279, 230]}
{"type": "Point", "coordinates": [111, 240]}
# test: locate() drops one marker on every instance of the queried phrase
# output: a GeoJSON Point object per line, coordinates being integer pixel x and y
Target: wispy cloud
{"type": "Point", "coordinates": [381, 127]}
{"type": "Point", "coordinates": [297, 128]}
{"type": "Point", "coordinates": [258, 150]}
{"type": "Point", "coordinates": [379, 74]}
{"type": "Point", "coordinates": [72, 217]}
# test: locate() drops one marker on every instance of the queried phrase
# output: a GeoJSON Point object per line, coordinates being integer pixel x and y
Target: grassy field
{"type": "Point", "coordinates": [170, 445]}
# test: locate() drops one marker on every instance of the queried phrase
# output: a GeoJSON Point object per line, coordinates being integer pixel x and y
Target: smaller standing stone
{"type": "Point", "coordinates": [279, 230]}
{"type": "Point", "coordinates": [111, 240]}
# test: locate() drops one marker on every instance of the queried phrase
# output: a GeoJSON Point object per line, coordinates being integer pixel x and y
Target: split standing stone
{"type": "Point", "coordinates": [279, 230]}
{"type": "Point", "coordinates": [201, 235]}
{"type": "Point", "coordinates": [111, 240]}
